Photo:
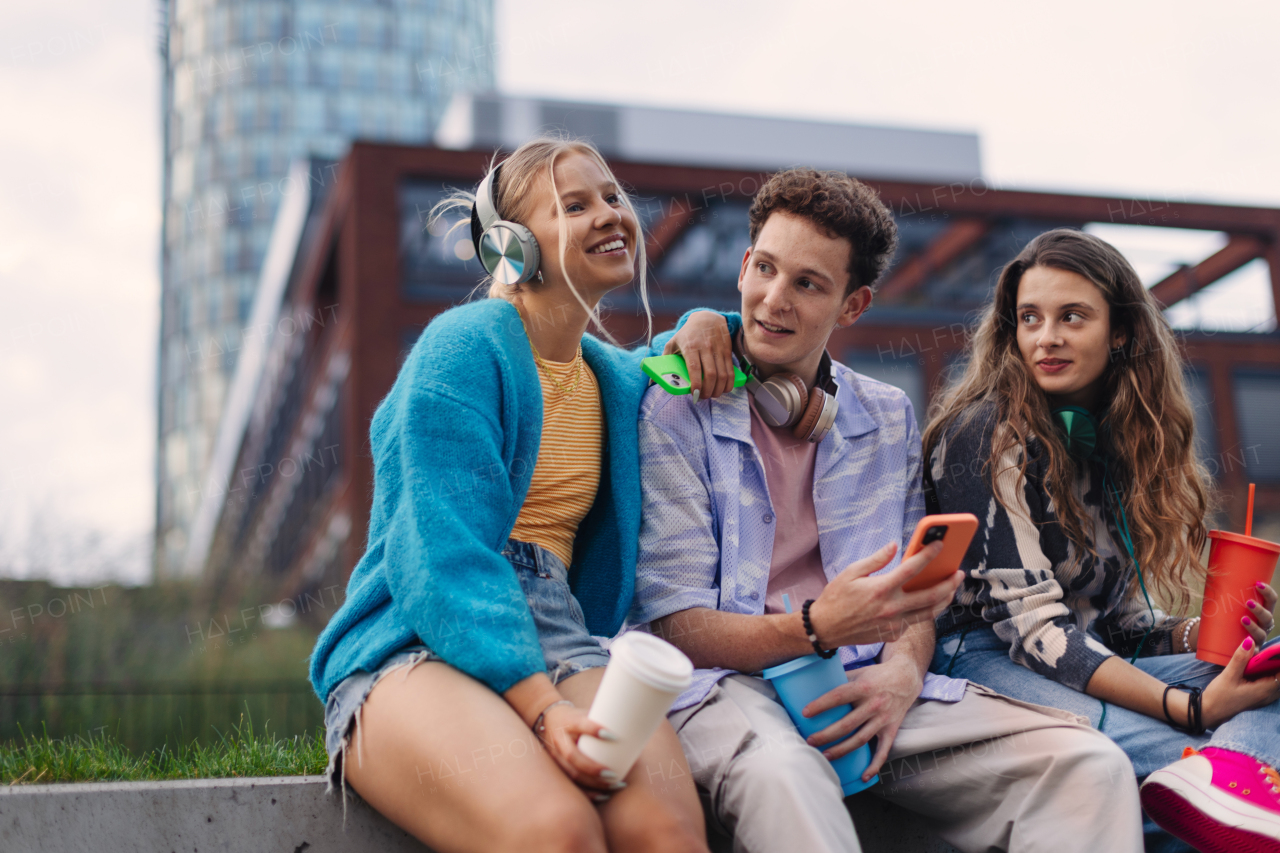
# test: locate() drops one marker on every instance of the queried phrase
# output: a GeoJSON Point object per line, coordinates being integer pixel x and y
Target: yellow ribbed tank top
{"type": "Point", "coordinates": [567, 471]}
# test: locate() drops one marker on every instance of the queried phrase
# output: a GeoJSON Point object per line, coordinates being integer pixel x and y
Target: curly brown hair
{"type": "Point", "coordinates": [842, 207]}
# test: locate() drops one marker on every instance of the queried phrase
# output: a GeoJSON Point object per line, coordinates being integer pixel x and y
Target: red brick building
{"type": "Point", "coordinates": [360, 274]}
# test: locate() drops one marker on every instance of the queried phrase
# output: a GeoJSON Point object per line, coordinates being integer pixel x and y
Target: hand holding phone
{"type": "Point", "coordinates": [1265, 663]}
{"type": "Point", "coordinates": [671, 373]}
{"type": "Point", "coordinates": [956, 531]}
{"type": "Point", "coordinates": [864, 605]}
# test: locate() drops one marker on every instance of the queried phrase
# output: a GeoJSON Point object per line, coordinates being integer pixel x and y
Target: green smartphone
{"type": "Point", "coordinates": [670, 372]}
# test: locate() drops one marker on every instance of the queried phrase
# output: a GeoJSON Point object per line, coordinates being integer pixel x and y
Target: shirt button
{"type": "Point", "coordinates": [755, 596]}
{"type": "Point", "coordinates": [768, 518]}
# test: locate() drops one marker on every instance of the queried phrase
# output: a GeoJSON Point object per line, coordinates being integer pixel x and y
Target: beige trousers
{"type": "Point", "coordinates": [986, 773]}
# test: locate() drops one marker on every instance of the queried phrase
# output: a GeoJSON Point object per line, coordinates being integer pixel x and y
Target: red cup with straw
{"type": "Point", "coordinates": [1236, 565]}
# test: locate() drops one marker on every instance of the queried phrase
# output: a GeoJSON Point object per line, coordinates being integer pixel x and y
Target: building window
{"type": "Point", "coordinates": [245, 301]}
{"type": "Point", "coordinates": [232, 160]}
{"type": "Point", "coordinates": [903, 373]}
{"type": "Point", "coordinates": [1256, 395]}
{"type": "Point", "coordinates": [330, 69]}
{"type": "Point", "coordinates": [370, 30]}
{"type": "Point", "coordinates": [348, 28]}
{"type": "Point", "coordinates": [246, 108]}
{"type": "Point", "coordinates": [262, 158]}
{"type": "Point", "coordinates": [436, 261]}
{"type": "Point", "coordinates": [1200, 390]}
{"type": "Point", "coordinates": [246, 21]}
{"type": "Point", "coordinates": [231, 250]}
{"type": "Point", "coordinates": [273, 22]}
{"type": "Point", "coordinates": [701, 266]}
{"type": "Point", "coordinates": [348, 116]}
{"type": "Point", "coordinates": [218, 28]}
{"type": "Point", "coordinates": [366, 72]}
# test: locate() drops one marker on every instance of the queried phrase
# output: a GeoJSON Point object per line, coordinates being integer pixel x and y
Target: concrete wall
{"type": "Point", "coordinates": [198, 816]}
{"type": "Point", "coordinates": [290, 814]}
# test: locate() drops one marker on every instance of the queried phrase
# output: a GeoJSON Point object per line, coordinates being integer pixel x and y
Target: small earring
{"type": "Point", "coordinates": [538, 277]}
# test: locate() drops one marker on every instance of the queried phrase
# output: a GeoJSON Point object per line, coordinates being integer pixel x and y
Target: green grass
{"type": "Point", "coordinates": [241, 752]}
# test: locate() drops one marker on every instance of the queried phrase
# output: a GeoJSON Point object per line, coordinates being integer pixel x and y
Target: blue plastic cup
{"type": "Point", "coordinates": [798, 683]}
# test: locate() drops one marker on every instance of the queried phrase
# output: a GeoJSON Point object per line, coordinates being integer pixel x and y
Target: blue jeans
{"type": "Point", "coordinates": [980, 656]}
{"type": "Point", "coordinates": [567, 647]}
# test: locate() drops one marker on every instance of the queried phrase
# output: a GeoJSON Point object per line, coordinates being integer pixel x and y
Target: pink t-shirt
{"type": "Point", "coordinates": [796, 566]}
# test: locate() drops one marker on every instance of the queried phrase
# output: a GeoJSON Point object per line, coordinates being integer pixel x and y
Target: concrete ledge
{"type": "Point", "coordinates": [283, 814]}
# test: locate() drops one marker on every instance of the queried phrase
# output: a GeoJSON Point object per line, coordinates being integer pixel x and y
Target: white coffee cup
{"type": "Point", "coordinates": [643, 679]}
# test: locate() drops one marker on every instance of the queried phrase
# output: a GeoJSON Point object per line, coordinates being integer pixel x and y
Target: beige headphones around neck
{"type": "Point", "coordinates": [784, 401]}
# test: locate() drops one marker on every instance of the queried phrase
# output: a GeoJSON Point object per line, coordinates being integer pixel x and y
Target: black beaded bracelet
{"type": "Point", "coordinates": [813, 636]}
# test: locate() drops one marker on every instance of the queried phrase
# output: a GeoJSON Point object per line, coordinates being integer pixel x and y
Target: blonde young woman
{"type": "Point", "coordinates": [502, 536]}
{"type": "Point", "coordinates": [1070, 437]}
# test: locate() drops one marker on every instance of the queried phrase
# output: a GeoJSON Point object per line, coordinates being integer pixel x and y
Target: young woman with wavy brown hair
{"type": "Point", "coordinates": [1070, 437]}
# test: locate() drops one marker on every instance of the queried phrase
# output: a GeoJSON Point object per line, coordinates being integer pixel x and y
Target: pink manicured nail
{"type": "Point", "coordinates": [1248, 643]}
{"type": "Point", "coordinates": [1260, 585]}
{"type": "Point", "coordinates": [1251, 604]}
{"type": "Point", "coordinates": [1244, 620]}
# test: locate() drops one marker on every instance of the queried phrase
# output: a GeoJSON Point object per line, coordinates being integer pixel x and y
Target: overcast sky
{"type": "Point", "coordinates": [1153, 99]}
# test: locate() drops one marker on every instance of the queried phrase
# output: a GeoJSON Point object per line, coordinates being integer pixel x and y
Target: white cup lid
{"type": "Point", "coordinates": [653, 661]}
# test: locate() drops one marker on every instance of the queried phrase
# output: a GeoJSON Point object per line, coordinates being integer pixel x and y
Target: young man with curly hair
{"type": "Point", "coordinates": [739, 510]}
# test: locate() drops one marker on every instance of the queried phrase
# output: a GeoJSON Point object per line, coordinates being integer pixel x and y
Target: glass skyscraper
{"type": "Point", "coordinates": [248, 87]}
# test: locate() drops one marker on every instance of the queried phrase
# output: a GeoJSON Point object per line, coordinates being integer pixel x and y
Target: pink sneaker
{"type": "Point", "coordinates": [1218, 801]}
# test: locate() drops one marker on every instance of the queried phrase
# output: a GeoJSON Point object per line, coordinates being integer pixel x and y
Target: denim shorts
{"type": "Point", "coordinates": [567, 647]}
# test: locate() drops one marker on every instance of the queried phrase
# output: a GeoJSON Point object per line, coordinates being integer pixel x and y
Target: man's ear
{"type": "Point", "coordinates": [855, 305]}
{"type": "Point", "coordinates": [746, 261]}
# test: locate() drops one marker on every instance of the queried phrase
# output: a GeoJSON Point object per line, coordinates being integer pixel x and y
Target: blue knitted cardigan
{"type": "Point", "coordinates": [454, 445]}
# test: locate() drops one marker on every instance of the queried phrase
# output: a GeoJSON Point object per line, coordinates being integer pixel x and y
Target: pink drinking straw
{"type": "Point", "coordinates": [1248, 519]}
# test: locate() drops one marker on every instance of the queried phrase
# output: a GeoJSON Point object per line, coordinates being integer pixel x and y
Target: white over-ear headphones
{"type": "Point", "coordinates": [784, 401]}
{"type": "Point", "coordinates": [508, 250]}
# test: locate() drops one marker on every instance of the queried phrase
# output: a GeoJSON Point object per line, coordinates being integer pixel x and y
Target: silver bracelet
{"type": "Point", "coordinates": [1186, 634]}
{"type": "Point", "coordinates": [540, 724]}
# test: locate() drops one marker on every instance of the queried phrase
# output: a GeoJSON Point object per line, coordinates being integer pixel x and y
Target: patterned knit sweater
{"type": "Point", "coordinates": [1062, 614]}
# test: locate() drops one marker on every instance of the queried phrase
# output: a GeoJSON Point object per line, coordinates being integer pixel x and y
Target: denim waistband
{"type": "Point", "coordinates": [534, 556]}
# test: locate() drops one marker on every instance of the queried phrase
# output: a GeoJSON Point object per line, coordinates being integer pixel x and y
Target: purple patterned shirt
{"type": "Point", "coordinates": [707, 528]}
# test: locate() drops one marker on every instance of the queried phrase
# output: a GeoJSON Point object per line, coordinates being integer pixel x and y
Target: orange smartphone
{"type": "Point", "coordinates": [956, 531]}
